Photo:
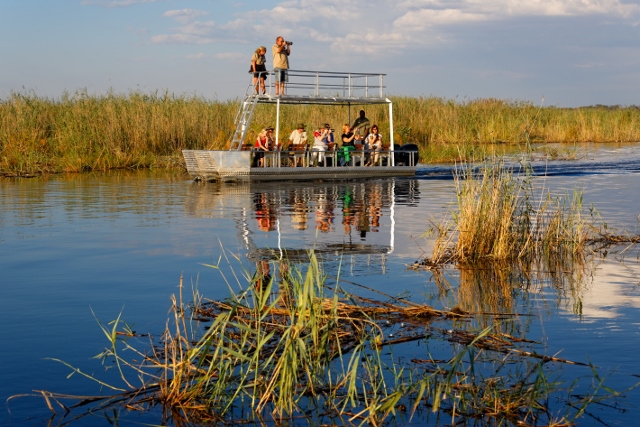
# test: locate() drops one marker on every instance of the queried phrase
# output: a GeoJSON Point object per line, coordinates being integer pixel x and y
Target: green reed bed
{"type": "Point", "coordinates": [81, 131]}
{"type": "Point", "coordinates": [500, 216]}
{"type": "Point", "coordinates": [438, 120]}
{"type": "Point", "coordinates": [296, 348]}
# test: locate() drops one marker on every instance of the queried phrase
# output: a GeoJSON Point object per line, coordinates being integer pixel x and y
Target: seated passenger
{"type": "Point", "coordinates": [264, 142]}
{"type": "Point", "coordinates": [331, 143]}
{"type": "Point", "coordinates": [347, 144]}
{"type": "Point", "coordinates": [347, 136]}
{"type": "Point", "coordinates": [329, 133]}
{"type": "Point", "coordinates": [320, 137]}
{"type": "Point", "coordinates": [374, 143]}
{"type": "Point", "coordinates": [297, 138]}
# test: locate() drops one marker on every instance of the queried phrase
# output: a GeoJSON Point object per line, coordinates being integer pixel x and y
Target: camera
{"type": "Point", "coordinates": [288, 43]}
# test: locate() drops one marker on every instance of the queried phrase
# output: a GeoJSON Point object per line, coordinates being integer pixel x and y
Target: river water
{"type": "Point", "coordinates": [79, 250]}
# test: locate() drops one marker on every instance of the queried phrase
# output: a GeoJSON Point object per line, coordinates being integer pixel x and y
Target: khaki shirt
{"type": "Point", "coordinates": [280, 59]}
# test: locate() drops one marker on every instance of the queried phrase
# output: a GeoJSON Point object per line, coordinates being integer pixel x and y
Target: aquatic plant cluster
{"type": "Point", "coordinates": [293, 346]}
{"type": "Point", "coordinates": [501, 216]}
{"type": "Point", "coordinates": [83, 132]}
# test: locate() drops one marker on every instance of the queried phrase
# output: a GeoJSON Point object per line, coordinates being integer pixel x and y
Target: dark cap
{"type": "Point", "coordinates": [269, 128]}
{"type": "Point", "coordinates": [327, 126]}
{"type": "Point", "coordinates": [300, 126]}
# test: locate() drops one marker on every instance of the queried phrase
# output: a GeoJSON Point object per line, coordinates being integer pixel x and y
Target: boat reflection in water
{"type": "Point", "coordinates": [337, 220]}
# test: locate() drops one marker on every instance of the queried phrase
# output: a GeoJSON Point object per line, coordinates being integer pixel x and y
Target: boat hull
{"type": "Point", "coordinates": [213, 165]}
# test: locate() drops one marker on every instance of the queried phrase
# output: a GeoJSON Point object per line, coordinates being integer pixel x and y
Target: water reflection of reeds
{"type": "Point", "coordinates": [490, 290]}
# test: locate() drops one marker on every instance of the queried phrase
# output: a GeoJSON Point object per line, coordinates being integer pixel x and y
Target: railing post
{"type": "Point", "coordinates": [391, 140]}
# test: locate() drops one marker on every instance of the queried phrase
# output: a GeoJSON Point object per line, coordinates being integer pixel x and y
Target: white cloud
{"type": "Point", "coordinates": [180, 39]}
{"type": "Point", "coordinates": [231, 56]}
{"type": "Point", "coordinates": [429, 17]}
{"type": "Point", "coordinates": [376, 27]}
{"type": "Point", "coordinates": [198, 56]}
{"type": "Point", "coordinates": [191, 31]}
{"type": "Point", "coordinates": [184, 15]}
{"type": "Point", "coordinates": [498, 9]}
{"type": "Point", "coordinates": [115, 3]}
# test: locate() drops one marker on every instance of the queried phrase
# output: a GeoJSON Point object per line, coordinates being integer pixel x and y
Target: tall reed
{"type": "Point", "coordinates": [499, 217]}
{"type": "Point", "coordinates": [80, 131]}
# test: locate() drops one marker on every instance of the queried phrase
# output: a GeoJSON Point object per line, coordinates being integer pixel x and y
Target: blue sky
{"type": "Point", "coordinates": [549, 52]}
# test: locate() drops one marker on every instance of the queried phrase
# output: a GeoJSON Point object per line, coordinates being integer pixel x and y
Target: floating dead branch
{"type": "Point", "coordinates": [606, 240]}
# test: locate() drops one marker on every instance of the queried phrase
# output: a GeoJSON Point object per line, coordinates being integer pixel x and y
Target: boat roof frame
{"type": "Point", "coordinates": [325, 88]}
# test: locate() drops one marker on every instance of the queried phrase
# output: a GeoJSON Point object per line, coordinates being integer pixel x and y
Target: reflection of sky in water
{"type": "Point", "coordinates": [114, 241]}
{"type": "Point", "coordinates": [613, 292]}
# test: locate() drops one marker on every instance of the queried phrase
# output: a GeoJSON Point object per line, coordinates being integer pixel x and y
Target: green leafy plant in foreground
{"type": "Point", "coordinates": [290, 347]}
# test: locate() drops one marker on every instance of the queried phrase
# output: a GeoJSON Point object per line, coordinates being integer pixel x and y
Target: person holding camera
{"type": "Point", "coordinates": [347, 145]}
{"type": "Point", "coordinates": [281, 51]}
{"type": "Point", "coordinates": [320, 144]}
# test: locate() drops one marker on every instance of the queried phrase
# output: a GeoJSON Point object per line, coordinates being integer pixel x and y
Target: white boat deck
{"type": "Point", "coordinates": [305, 88]}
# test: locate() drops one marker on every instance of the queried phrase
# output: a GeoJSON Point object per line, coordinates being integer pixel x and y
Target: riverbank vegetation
{"type": "Point", "coordinates": [82, 132]}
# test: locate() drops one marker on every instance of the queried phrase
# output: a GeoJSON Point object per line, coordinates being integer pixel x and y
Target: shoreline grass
{"type": "Point", "coordinates": [82, 132]}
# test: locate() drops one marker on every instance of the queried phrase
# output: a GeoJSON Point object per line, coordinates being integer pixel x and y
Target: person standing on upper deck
{"type": "Point", "coordinates": [259, 70]}
{"type": "Point", "coordinates": [360, 128]}
{"type": "Point", "coordinates": [281, 51]}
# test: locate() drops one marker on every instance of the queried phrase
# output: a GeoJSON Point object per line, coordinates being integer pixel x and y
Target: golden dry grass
{"type": "Point", "coordinates": [80, 131]}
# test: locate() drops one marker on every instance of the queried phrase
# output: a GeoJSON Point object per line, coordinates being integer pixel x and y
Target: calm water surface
{"type": "Point", "coordinates": [82, 249]}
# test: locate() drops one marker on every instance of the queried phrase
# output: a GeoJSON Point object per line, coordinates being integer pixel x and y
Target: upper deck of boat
{"type": "Point", "coordinates": [324, 88]}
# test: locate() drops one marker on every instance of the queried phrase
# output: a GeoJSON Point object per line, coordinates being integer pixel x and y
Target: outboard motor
{"type": "Point", "coordinates": [407, 155]}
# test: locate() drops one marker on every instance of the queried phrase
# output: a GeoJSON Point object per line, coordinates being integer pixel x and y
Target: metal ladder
{"type": "Point", "coordinates": [243, 118]}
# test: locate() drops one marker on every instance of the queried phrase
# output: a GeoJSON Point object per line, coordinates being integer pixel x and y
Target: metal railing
{"type": "Point", "coordinates": [311, 158]}
{"type": "Point", "coordinates": [329, 84]}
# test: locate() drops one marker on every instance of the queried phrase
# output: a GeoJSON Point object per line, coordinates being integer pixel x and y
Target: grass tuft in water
{"type": "Point", "coordinates": [499, 216]}
{"type": "Point", "coordinates": [290, 347]}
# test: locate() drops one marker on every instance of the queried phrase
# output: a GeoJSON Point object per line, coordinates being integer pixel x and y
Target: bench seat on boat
{"type": "Point", "coordinates": [298, 154]}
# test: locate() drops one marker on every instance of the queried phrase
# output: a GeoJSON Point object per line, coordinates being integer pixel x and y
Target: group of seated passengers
{"type": "Point", "coordinates": [323, 140]}
{"type": "Point", "coordinates": [372, 142]}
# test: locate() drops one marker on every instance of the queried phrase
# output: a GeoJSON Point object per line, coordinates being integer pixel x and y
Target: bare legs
{"type": "Point", "coordinates": [279, 88]}
{"type": "Point", "coordinates": [259, 86]}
